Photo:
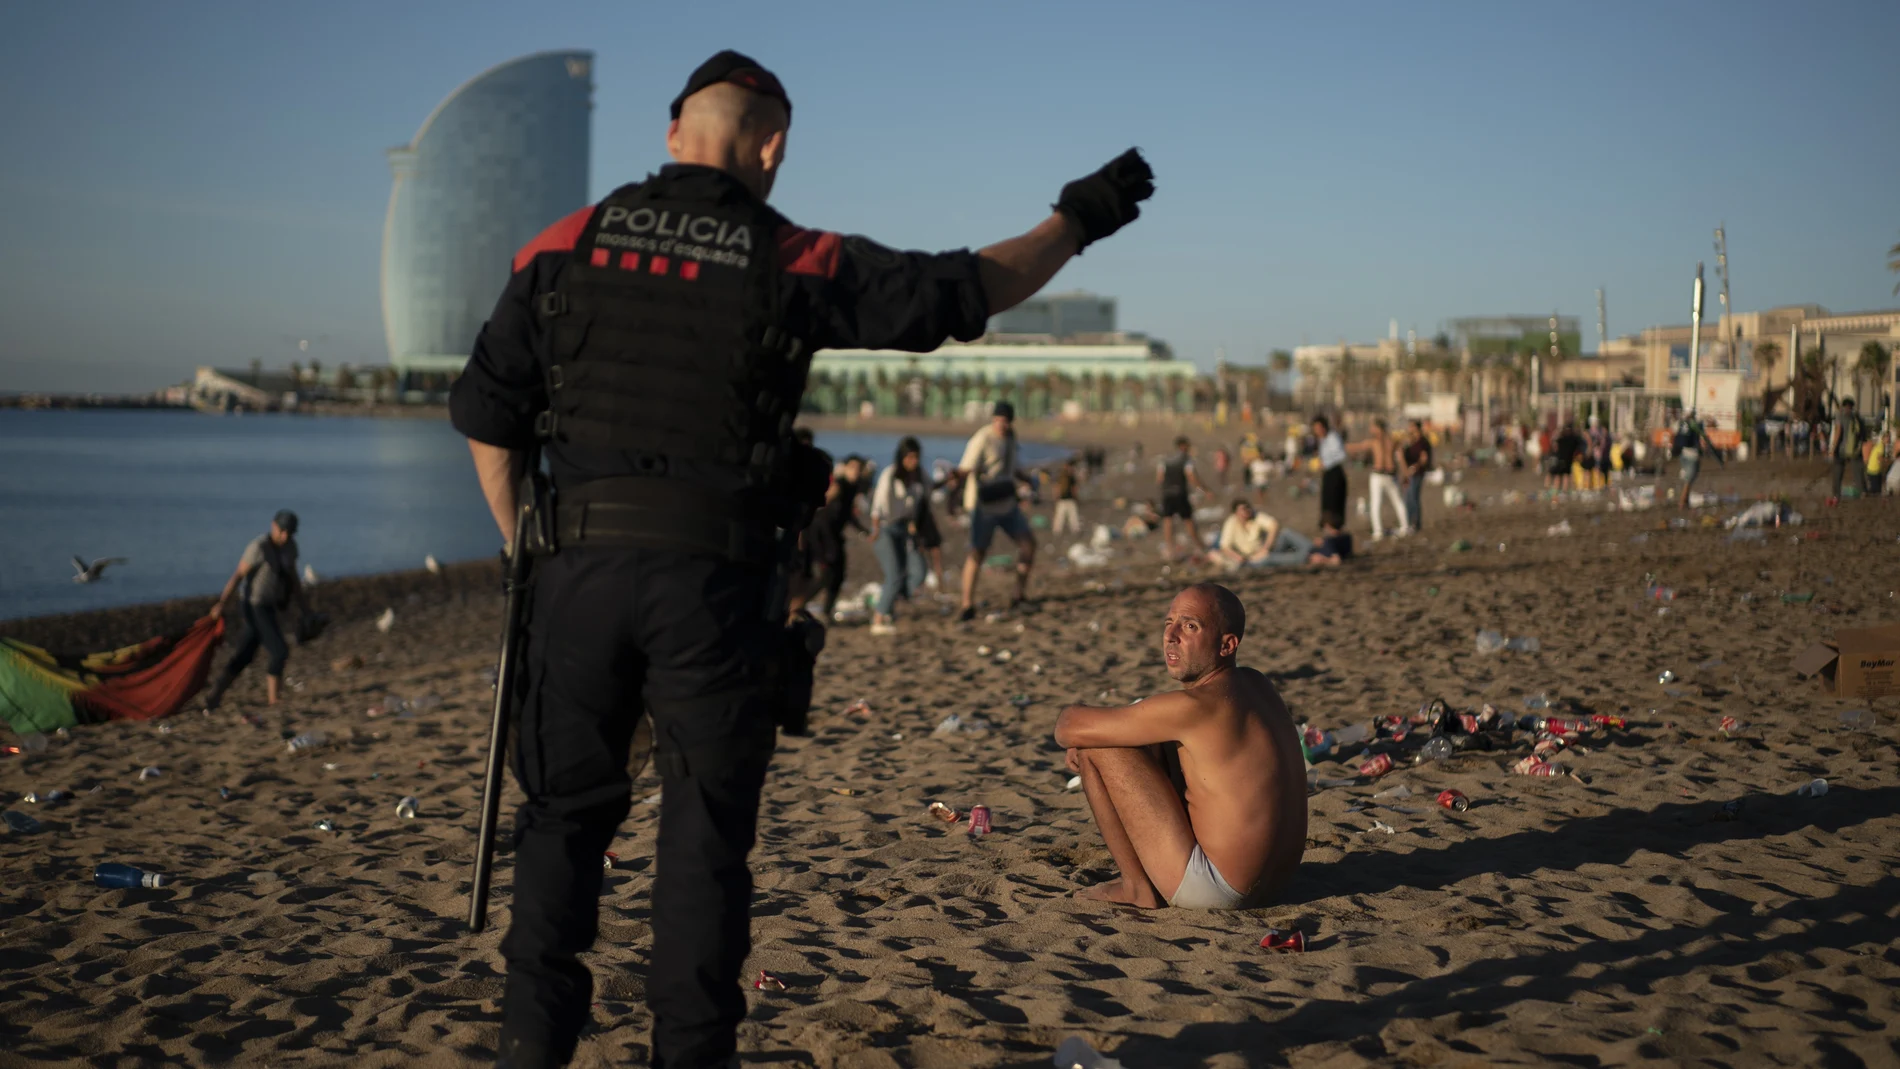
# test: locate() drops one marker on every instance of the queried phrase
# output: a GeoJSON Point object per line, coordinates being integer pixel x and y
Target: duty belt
{"type": "Point", "coordinates": [659, 514]}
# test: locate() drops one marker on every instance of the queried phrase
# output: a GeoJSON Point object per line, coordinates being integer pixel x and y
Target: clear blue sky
{"type": "Point", "coordinates": [195, 182]}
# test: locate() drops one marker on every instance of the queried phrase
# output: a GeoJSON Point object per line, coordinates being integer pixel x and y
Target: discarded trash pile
{"type": "Point", "coordinates": [1437, 732]}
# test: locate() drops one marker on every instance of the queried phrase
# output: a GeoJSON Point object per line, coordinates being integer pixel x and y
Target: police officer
{"type": "Point", "coordinates": [656, 346]}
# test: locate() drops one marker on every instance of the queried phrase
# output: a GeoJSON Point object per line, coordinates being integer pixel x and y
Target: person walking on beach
{"type": "Point", "coordinates": [828, 535]}
{"type": "Point", "coordinates": [1570, 447]}
{"type": "Point", "coordinates": [1384, 484]}
{"type": "Point", "coordinates": [1332, 462]}
{"type": "Point", "coordinates": [990, 476]}
{"type": "Point", "coordinates": [1067, 513]}
{"type": "Point", "coordinates": [1843, 448]}
{"type": "Point", "coordinates": [267, 580]}
{"type": "Point", "coordinates": [1414, 461]}
{"type": "Point", "coordinates": [1175, 476]}
{"type": "Point", "coordinates": [1689, 442]}
{"type": "Point", "coordinates": [902, 490]}
{"type": "Point", "coordinates": [656, 345]}
{"type": "Point", "coordinates": [1200, 793]}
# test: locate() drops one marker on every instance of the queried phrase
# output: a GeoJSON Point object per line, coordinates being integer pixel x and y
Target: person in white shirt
{"type": "Point", "coordinates": [1254, 539]}
{"type": "Point", "coordinates": [896, 505]}
{"type": "Point", "coordinates": [990, 475]}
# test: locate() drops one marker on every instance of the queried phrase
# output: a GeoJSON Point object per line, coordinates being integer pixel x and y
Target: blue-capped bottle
{"type": "Point", "coordinates": [114, 874]}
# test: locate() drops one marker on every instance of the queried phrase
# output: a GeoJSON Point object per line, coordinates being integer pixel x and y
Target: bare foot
{"type": "Point", "coordinates": [1122, 893]}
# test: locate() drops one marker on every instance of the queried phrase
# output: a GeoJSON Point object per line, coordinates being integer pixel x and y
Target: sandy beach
{"type": "Point", "coordinates": [1616, 921]}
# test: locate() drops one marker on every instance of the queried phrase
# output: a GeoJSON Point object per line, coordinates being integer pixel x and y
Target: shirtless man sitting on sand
{"type": "Point", "coordinates": [1200, 793]}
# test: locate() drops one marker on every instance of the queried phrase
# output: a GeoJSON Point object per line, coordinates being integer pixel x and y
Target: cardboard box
{"type": "Point", "coordinates": [1861, 662]}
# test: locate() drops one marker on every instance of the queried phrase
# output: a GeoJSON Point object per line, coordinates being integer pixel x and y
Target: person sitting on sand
{"type": "Point", "coordinates": [1142, 521]}
{"type": "Point", "coordinates": [1200, 793]}
{"type": "Point", "coordinates": [1254, 539]}
{"type": "Point", "coordinates": [1335, 545]}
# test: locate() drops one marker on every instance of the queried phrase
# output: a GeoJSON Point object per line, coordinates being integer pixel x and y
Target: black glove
{"type": "Point", "coordinates": [1109, 199]}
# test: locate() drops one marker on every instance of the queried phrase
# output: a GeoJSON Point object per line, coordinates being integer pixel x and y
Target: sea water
{"type": "Point", "coordinates": [179, 494]}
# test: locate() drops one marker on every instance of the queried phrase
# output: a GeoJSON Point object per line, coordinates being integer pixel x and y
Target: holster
{"type": "Point", "coordinates": [536, 494]}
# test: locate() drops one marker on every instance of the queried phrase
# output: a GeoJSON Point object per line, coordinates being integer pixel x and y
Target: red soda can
{"type": "Point", "coordinates": [1291, 940]}
{"type": "Point", "coordinates": [1454, 800]}
{"type": "Point", "coordinates": [980, 820]}
{"type": "Point", "coordinates": [1568, 727]}
{"type": "Point", "coordinates": [1730, 725]}
{"type": "Point", "coordinates": [1602, 721]}
{"type": "Point", "coordinates": [1533, 766]}
{"type": "Point", "coordinates": [1378, 766]}
{"type": "Point", "coordinates": [1469, 724]}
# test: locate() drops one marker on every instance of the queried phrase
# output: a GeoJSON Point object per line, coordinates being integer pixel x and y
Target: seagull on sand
{"type": "Point", "coordinates": [386, 621]}
{"type": "Point", "coordinates": [92, 573]}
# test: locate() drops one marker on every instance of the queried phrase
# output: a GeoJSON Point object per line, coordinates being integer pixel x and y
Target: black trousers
{"type": "Point", "coordinates": [1332, 494]}
{"type": "Point", "coordinates": [686, 637]}
{"type": "Point", "coordinates": [260, 629]}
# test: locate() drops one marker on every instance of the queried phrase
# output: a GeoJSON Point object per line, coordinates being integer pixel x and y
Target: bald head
{"type": "Point", "coordinates": [1226, 605]}
{"type": "Point", "coordinates": [734, 129]}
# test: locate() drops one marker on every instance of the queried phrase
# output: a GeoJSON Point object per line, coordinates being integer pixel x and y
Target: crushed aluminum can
{"type": "Point", "coordinates": [1559, 726]}
{"type": "Point", "coordinates": [767, 982]}
{"type": "Point", "coordinates": [1666, 678]}
{"type": "Point", "coordinates": [1290, 940]}
{"type": "Point", "coordinates": [326, 825]}
{"type": "Point", "coordinates": [1377, 767]}
{"type": "Point", "coordinates": [609, 859]}
{"type": "Point", "coordinates": [943, 812]}
{"type": "Point", "coordinates": [1454, 800]}
{"type": "Point", "coordinates": [1536, 766]}
{"type": "Point", "coordinates": [1469, 724]}
{"type": "Point", "coordinates": [1548, 746]}
{"type": "Point", "coordinates": [980, 820]}
{"type": "Point", "coordinates": [1616, 723]}
{"type": "Point", "coordinates": [861, 707]}
{"type": "Point", "coordinates": [1729, 727]}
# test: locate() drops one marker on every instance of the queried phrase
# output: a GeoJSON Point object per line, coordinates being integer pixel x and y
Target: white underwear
{"type": "Point", "coordinates": [1203, 887]}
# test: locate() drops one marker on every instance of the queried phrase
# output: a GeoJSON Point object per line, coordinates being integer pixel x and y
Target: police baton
{"type": "Point", "coordinates": [513, 632]}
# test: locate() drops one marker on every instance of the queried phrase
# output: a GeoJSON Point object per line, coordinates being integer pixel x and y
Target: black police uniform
{"type": "Point", "coordinates": [656, 346]}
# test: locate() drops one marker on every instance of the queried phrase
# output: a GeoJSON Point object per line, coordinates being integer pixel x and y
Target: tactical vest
{"type": "Point", "coordinates": [663, 344]}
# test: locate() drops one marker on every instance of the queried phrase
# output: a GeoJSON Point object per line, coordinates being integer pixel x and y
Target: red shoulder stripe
{"type": "Point", "coordinates": [558, 238]}
{"type": "Point", "coordinates": [809, 252]}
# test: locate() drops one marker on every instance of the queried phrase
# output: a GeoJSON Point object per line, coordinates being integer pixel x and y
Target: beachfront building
{"type": "Point", "coordinates": [1831, 344]}
{"type": "Point", "coordinates": [1043, 371]}
{"type": "Point", "coordinates": [493, 165]}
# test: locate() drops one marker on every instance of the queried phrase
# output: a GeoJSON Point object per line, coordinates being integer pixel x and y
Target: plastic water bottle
{"type": "Point", "coordinates": [1351, 734]}
{"type": "Point", "coordinates": [408, 808]}
{"type": "Point", "coordinates": [20, 822]}
{"type": "Point", "coordinates": [113, 874]}
{"type": "Point", "coordinates": [1524, 644]}
{"type": "Point", "coordinates": [1490, 641]}
{"type": "Point", "coordinates": [1436, 749]}
{"type": "Point", "coordinates": [308, 741]}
